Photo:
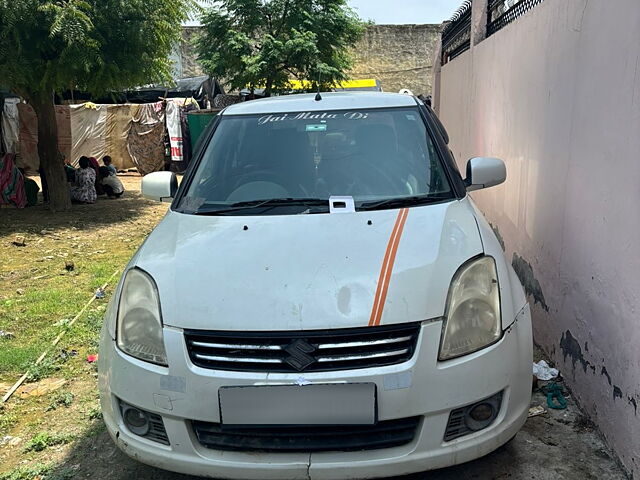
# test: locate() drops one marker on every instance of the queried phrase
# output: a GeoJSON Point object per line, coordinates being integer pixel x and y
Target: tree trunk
{"type": "Point", "coordinates": [268, 87]}
{"type": "Point", "coordinates": [50, 159]}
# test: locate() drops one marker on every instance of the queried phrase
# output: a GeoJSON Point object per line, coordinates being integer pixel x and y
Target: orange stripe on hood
{"type": "Point", "coordinates": [387, 268]}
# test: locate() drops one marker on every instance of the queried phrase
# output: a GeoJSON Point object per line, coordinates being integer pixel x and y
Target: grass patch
{"type": "Point", "coordinates": [94, 413]}
{"type": "Point", "coordinates": [7, 420]}
{"type": "Point", "coordinates": [38, 471]}
{"type": "Point", "coordinates": [44, 440]}
{"type": "Point", "coordinates": [38, 299]}
{"type": "Point", "coordinates": [61, 399]}
{"type": "Point", "coordinates": [37, 293]}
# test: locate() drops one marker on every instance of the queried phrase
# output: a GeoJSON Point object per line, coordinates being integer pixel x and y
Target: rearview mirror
{"type": "Point", "coordinates": [484, 172]}
{"type": "Point", "coordinates": [160, 186]}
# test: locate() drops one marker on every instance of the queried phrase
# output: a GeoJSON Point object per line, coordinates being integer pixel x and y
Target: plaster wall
{"type": "Point", "coordinates": [398, 56]}
{"type": "Point", "coordinates": [556, 94]}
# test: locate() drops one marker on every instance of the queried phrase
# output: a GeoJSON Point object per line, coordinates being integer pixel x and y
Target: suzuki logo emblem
{"type": "Point", "coordinates": [299, 350]}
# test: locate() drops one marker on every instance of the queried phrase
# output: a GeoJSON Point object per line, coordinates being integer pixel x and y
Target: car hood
{"type": "Point", "coordinates": [305, 272]}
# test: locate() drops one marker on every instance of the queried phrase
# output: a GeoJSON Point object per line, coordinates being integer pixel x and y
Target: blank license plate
{"type": "Point", "coordinates": [331, 404]}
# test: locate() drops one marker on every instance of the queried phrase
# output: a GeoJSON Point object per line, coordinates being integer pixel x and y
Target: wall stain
{"type": "Point", "coordinates": [530, 283]}
{"type": "Point", "coordinates": [617, 393]}
{"type": "Point", "coordinates": [571, 348]}
{"type": "Point", "coordinates": [496, 231]}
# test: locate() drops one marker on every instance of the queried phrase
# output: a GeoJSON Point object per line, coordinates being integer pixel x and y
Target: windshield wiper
{"type": "Point", "coordinates": [402, 202]}
{"type": "Point", "coordinates": [266, 204]}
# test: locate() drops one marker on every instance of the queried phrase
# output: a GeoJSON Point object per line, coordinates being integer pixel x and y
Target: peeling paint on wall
{"type": "Point", "coordinates": [617, 393]}
{"type": "Point", "coordinates": [571, 348]}
{"type": "Point", "coordinates": [530, 283]}
{"type": "Point", "coordinates": [634, 404]}
{"type": "Point", "coordinates": [606, 374]}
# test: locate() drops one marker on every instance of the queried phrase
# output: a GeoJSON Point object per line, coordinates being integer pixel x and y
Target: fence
{"type": "Point", "coordinates": [502, 13]}
{"type": "Point", "coordinates": [456, 36]}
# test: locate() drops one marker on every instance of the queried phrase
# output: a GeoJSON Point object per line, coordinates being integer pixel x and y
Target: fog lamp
{"type": "Point", "coordinates": [481, 412]}
{"type": "Point", "coordinates": [136, 420]}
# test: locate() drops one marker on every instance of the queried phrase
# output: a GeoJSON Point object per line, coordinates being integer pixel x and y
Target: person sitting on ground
{"type": "Point", "coordinates": [111, 183]}
{"type": "Point", "coordinates": [93, 162]}
{"type": "Point", "coordinates": [11, 183]}
{"type": "Point", "coordinates": [84, 190]}
{"type": "Point", "coordinates": [107, 163]}
{"type": "Point", "coordinates": [31, 189]}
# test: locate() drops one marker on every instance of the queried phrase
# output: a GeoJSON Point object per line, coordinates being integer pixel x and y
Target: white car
{"type": "Point", "coordinates": [322, 300]}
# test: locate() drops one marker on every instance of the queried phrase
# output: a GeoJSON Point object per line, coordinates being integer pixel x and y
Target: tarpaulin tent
{"type": "Point", "coordinates": [117, 134]}
{"type": "Point", "coordinates": [28, 158]}
{"type": "Point", "coordinates": [146, 137]}
{"type": "Point", "coordinates": [202, 89]}
{"type": "Point", "coordinates": [132, 134]}
{"type": "Point", "coordinates": [89, 127]}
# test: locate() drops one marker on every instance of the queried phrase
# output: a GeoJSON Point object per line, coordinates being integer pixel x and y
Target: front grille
{"type": "Point", "coordinates": [387, 434]}
{"type": "Point", "coordinates": [309, 351]}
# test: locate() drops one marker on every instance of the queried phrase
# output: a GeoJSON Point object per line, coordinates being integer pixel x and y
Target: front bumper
{"type": "Point", "coordinates": [420, 387]}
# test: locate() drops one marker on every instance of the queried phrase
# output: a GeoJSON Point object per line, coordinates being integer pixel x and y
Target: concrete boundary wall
{"type": "Point", "coordinates": [556, 94]}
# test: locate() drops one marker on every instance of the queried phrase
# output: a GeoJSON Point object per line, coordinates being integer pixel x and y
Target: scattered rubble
{"type": "Point", "coordinates": [19, 241]}
{"type": "Point", "coordinates": [6, 335]}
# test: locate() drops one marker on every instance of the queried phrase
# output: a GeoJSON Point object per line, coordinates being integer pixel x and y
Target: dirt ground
{"type": "Point", "coordinates": [560, 444]}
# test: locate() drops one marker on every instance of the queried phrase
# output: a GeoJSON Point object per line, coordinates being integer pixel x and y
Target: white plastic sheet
{"type": "Point", "coordinates": [11, 126]}
{"type": "Point", "coordinates": [543, 371]}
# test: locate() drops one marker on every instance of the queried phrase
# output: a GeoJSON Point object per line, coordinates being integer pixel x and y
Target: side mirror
{"type": "Point", "coordinates": [484, 172]}
{"type": "Point", "coordinates": [160, 186]}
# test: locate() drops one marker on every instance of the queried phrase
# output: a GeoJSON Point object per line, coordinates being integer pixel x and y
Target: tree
{"type": "Point", "coordinates": [48, 46]}
{"type": "Point", "coordinates": [264, 43]}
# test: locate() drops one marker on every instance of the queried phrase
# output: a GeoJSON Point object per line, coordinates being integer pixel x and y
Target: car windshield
{"type": "Point", "coordinates": [291, 163]}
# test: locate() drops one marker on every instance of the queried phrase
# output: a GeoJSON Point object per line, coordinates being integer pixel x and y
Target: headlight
{"type": "Point", "coordinates": [139, 328]}
{"type": "Point", "coordinates": [473, 310]}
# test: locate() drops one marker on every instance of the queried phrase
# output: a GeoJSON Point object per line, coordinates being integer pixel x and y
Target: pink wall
{"type": "Point", "coordinates": [556, 94]}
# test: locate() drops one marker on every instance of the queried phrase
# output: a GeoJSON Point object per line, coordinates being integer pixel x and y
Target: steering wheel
{"type": "Point", "coordinates": [372, 181]}
{"type": "Point", "coordinates": [271, 177]}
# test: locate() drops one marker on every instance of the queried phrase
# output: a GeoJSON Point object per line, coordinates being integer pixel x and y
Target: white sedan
{"type": "Point", "coordinates": [323, 300]}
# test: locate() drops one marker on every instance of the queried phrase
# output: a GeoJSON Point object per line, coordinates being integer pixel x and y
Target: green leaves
{"type": "Point", "coordinates": [93, 45]}
{"type": "Point", "coordinates": [265, 43]}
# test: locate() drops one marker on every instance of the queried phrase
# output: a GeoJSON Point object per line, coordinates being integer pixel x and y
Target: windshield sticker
{"type": "Point", "coordinates": [312, 116]}
{"type": "Point", "coordinates": [316, 128]}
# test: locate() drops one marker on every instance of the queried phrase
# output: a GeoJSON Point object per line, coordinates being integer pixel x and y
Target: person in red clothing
{"type": "Point", "coordinates": [93, 162]}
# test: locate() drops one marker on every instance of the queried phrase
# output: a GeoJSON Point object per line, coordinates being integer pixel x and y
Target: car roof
{"type": "Point", "coordinates": [330, 101]}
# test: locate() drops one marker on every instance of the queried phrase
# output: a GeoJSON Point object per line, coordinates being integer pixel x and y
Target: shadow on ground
{"type": "Point", "coordinates": [558, 445]}
{"type": "Point", "coordinates": [82, 217]}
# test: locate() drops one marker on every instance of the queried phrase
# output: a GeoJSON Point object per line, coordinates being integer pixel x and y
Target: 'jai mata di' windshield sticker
{"type": "Point", "coordinates": [312, 116]}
